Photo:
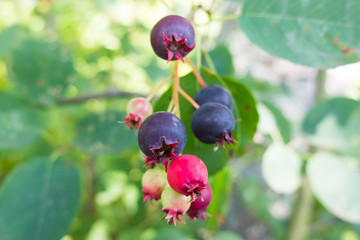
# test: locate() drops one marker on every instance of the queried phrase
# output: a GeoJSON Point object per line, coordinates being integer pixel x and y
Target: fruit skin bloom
{"type": "Point", "coordinates": [214, 93]}
{"type": "Point", "coordinates": [173, 37]}
{"type": "Point", "coordinates": [162, 136]}
{"type": "Point", "coordinates": [213, 123]}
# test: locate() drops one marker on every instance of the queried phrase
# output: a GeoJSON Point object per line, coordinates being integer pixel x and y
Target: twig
{"type": "Point", "coordinates": [176, 86]}
{"type": "Point", "coordinates": [196, 72]}
{"type": "Point", "coordinates": [187, 97]}
{"type": "Point", "coordinates": [151, 95]}
{"type": "Point", "coordinates": [106, 94]}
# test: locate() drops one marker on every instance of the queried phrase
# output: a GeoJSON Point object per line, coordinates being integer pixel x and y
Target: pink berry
{"type": "Point", "coordinates": [199, 206]}
{"type": "Point", "coordinates": [187, 175]}
{"type": "Point", "coordinates": [174, 205]}
{"type": "Point", "coordinates": [138, 109]}
{"type": "Point", "coordinates": [153, 183]}
{"type": "Point", "coordinates": [139, 106]}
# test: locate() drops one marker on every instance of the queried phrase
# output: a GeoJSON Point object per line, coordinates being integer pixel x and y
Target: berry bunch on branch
{"type": "Point", "coordinates": [179, 180]}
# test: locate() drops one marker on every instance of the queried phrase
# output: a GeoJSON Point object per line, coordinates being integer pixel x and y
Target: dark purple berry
{"type": "Point", "coordinates": [161, 136]}
{"type": "Point", "coordinates": [213, 123]}
{"type": "Point", "coordinates": [214, 93]}
{"type": "Point", "coordinates": [173, 37]}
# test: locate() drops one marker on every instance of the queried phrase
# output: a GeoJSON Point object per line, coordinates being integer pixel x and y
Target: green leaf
{"type": "Point", "coordinates": [41, 70]}
{"type": "Point", "coordinates": [303, 31]}
{"type": "Point", "coordinates": [340, 108]}
{"type": "Point", "coordinates": [226, 235]}
{"type": "Point", "coordinates": [246, 112]}
{"type": "Point", "coordinates": [101, 134]}
{"type": "Point", "coordinates": [11, 38]}
{"type": "Point", "coordinates": [39, 200]}
{"type": "Point", "coordinates": [333, 124]}
{"type": "Point", "coordinates": [333, 181]}
{"type": "Point", "coordinates": [21, 124]}
{"type": "Point", "coordinates": [219, 206]}
{"type": "Point", "coordinates": [282, 123]}
{"type": "Point", "coordinates": [281, 167]}
{"type": "Point", "coordinates": [222, 60]}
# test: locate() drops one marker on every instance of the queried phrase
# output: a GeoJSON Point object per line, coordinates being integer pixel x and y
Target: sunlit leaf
{"type": "Point", "coordinates": [333, 124]}
{"type": "Point", "coordinates": [303, 31]}
{"type": "Point", "coordinates": [340, 108]}
{"type": "Point", "coordinates": [282, 123]}
{"type": "Point", "coordinates": [332, 179]}
{"type": "Point", "coordinates": [281, 167]}
{"type": "Point", "coordinates": [39, 200]}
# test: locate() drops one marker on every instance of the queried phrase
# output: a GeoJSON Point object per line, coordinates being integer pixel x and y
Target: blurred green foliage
{"type": "Point", "coordinates": [69, 170]}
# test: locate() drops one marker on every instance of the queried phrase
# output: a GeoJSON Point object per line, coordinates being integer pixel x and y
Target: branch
{"type": "Point", "coordinates": [106, 94]}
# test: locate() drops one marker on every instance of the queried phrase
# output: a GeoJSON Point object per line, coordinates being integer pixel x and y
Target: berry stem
{"type": "Point", "coordinates": [187, 97]}
{"type": "Point", "coordinates": [196, 72]}
{"type": "Point", "coordinates": [176, 87]}
{"type": "Point", "coordinates": [171, 105]}
{"type": "Point", "coordinates": [152, 94]}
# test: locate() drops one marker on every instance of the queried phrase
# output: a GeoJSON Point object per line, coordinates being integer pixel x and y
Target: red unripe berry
{"type": "Point", "coordinates": [153, 183]}
{"type": "Point", "coordinates": [187, 175]}
{"type": "Point", "coordinates": [174, 205]}
{"type": "Point", "coordinates": [199, 206]}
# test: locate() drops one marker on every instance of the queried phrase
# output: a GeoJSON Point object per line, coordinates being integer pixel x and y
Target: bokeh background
{"type": "Point", "coordinates": [68, 69]}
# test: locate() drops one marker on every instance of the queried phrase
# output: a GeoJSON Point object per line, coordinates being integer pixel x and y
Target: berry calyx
{"type": "Point", "coordinates": [162, 136]}
{"type": "Point", "coordinates": [174, 205]}
{"type": "Point", "coordinates": [199, 206]}
{"type": "Point", "coordinates": [213, 123]}
{"type": "Point", "coordinates": [153, 183]}
{"type": "Point", "coordinates": [214, 93]}
{"type": "Point", "coordinates": [133, 120]}
{"type": "Point", "coordinates": [138, 109]}
{"type": "Point", "coordinates": [187, 175]}
{"type": "Point", "coordinates": [172, 37]}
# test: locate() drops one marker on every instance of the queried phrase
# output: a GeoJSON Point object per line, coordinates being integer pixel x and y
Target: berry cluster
{"type": "Point", "coordinates": [182, 182]}
{"type": "Point", "coordinates": [162, 138]}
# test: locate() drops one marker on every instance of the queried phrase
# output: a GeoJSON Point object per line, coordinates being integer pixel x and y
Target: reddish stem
{"type": "Point", "coordinates": [187, 97]}
{"type": "Point", "coordinates": [196, 72]}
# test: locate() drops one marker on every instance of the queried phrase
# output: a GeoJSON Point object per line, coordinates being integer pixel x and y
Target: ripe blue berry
{"type": "Point", "coordinates": [213, 123]}
{"type": "Point", "coordinates": [214, 93]}
{"type": "Point", "coordinates": [161, 136]}
{"type": "Point", "coordinates": [173, 37]}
